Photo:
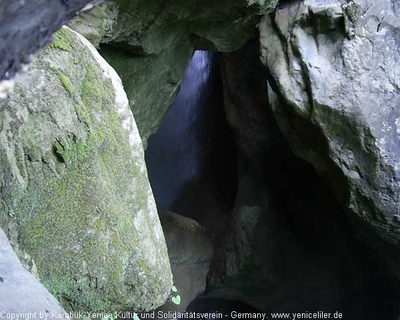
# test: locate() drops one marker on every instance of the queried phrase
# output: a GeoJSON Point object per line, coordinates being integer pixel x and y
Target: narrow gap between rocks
{"type": "Point", "coordinates": [282, 242]}
{"type": "Point", "coordinates": [191, 159]}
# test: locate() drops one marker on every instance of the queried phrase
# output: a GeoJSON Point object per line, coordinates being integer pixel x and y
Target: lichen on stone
{"type": "Point", "coordinates": [81, 186]}
{"type": "Point", "coordinates": [62, 40]}
{"type": "Point", "coordinates": [65, 81]}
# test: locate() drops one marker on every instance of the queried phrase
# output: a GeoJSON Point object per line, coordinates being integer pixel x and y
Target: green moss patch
{"type": "Point", "coordinates": [62, 40]}
{"type": "Point", "coordinates": [75, 188]}
{"type": "Point", "coordinates": [65, 81]}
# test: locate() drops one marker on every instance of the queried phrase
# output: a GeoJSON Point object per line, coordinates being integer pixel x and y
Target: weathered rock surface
{"type": "Point", "coordinates": [159, 37]}
{"type": "Point", "coordinates": [334, 68]}
{"type": "Point", "coordinates": [290, 247]}
{"type": "Point", "coordinates": [150, 82]}
{"type": "Point", "coordinates": [96, 24]}
{"type": "Point", "coordinates": [190, 251]}
{"type": "Point", "coordinates": [20, 292]}
{"type": "Point", "coordinates": [76, 201]}
{"type": "Point", "coordinates": [27, 26]}
{"type": "Point", "coordinates": [149, 27]}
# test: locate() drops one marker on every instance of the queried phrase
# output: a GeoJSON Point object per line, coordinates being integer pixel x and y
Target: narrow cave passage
{"type": "Point", "coordinates": [191, 160]}
{"type": "Point", "coordinates": [298, 250]}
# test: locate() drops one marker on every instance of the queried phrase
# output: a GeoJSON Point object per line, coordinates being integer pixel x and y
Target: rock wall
{"type": "Point", "coordinates": [335, 94]}
{"type": "Point", "coordinates": [289, 246]}
{"type": "Point", "coordinates": [76, 201]}
{"type": "Point", "coordinates": [156, 39]}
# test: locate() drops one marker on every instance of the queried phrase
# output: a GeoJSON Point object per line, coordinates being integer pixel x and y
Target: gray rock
{"type": "Point", "coordinates": [95, 24]}
{"type": "Point", "coordinates": [149, 27]}
{"type": "Point", "coordinates": [190, 251]}
{"type": "Point", "coordinates": [76, 201]}
{"type": "Point", "coordinates": [150, 82]}
{"type": "Point", "coordinates": [334, 71]}
{"type": "Point", "coordinates": [157, 39]}
{"type": "Point", "coordinates": [20, 293]}
{"type": "Point", "coordinates": [289, 246]}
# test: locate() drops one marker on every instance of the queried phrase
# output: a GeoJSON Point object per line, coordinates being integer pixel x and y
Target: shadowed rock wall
{"type": "Point", "coordinates": [290, 246]}
{"type": "Point", "coordinates": [334, 73]}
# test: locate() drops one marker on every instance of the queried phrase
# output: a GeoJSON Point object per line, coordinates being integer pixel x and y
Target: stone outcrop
{"type": "Point", "coordinates": [335, 80]}
{"type": "Point", "coordinates": [20, 293]}
{"type": "Point", "coordinates": [289, 246]}
{"type": "Point", "coordinates": [76, 201]}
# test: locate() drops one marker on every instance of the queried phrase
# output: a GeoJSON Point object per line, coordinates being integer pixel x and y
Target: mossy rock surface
{"type": "Point", "coordinates": [76, 200]}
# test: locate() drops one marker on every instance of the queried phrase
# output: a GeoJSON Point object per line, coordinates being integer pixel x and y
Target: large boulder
{"type": "Point", "coordinates": [76, 201]}
{"type": "Point", "coordinates": [20, 293]}
{"type": "Point", "coordinates": [159, 38]}
{"type": "Point", "coordinates": [333, 68]}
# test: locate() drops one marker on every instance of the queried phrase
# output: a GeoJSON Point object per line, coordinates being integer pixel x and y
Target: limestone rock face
{"type": "Point", "coordinates": [190, 251]}
{"type": "Point", "coordinates": [20, 292]}
{"type": "Point", "coordinates": [76, 201]}
{"type": "Point", "coordinates": [334, 71]}
{"type": "Point", "coordinates": [159, 38]}
{"type": "Point", "coordinates": [289, 246]}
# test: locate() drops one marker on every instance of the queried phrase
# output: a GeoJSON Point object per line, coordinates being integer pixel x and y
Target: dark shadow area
{"type": "Point", "coordinates": [282, 241]}
{"type": "Point", "coordinates": [307, 256]}
{"type": "Point", "coordinates": [332, 268]}
{"type": "Point", "coordinates": [229, 309]}
{"type": "Point", "coordinates": [290, 246]}
{"type": "Point", "coordinates": [191, 160]}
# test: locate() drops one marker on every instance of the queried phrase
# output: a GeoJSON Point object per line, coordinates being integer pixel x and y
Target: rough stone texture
{"type": "Point", "coordinates": [95, 24]}
{"type": "Point", "coordinates": [159, 38]}
{"type": "Point", "coordinates": [20, 292]}
{"type": "Point", "coordinates": [290, 246]}
{"type": "Point", "coordinates": [334, 68]}
{"type": "Point", "coordinates": [27, 26]}
{"type": "Point", "coordinates": [76, 201]}
{"type": "Point", "coordinates": [150, 82]}
{"type": "Point", "coordinates": [190, 251]}
{"type": "Point", "coordinates": [149, 27]}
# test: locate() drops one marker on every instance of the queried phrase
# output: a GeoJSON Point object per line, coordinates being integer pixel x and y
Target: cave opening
{"type": "Point", "coordinates": [282, 241]}
{"type": "Point", "coordinates": [191, 159]}
{"type": "Point", "coordinates": [222, 155]}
